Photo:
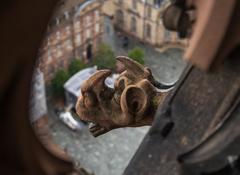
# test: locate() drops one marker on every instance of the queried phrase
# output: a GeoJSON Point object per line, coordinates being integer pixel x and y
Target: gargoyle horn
{"type": "Point", "coordinates": [95, 80]}
{"type": "Point", "coordinates": [121, 83]}
{"type": "Point", "coordinates": [134, 101]}
{"type": "Point", "coordinates": [133, 67]}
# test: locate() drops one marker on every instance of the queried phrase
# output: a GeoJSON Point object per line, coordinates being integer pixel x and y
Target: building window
{"type": "Point", "coordinates": [88, 33]}
{"type": "Point", "coordinates": [157, 3]}
{"type": "Point", "coordinates": [149, 12]}
{"type": "Point", "coordinates": [59, 51]}
{"type": "Point", "coordinates": [48, 42]}
{"type": "Point", "coordinates": [134, 4]}
{"type": "Point", "coordinates": [58, 35]}
{"type": "Point", "coordinates": [88, 20]}
{"type": "Point", "coordinates": [97, 14]}
{"type": "Point", "coordinates": [66, 14]}
{"type": "Point", "coordinates": [133, 24]}
{"type": "Point", "coordinates": [97, 28]}
{"type": "Point", "coordinates": [78, 39]}
{"type": "Point", "coordinates": [68, 30]}
{"type": "Point", "coordinates": [108, 30]}
{"type": "Point", "coordinates": [57, 21]}
{"type": "Point", "coordinates": [49, 56]}
{"type": "Point", "coordinates": [77, 25]}
{"type": "Point", "coordinates": [149, 31]}
{"type": "Point", "coordinates": [68, 44]}
{"type": "Point", "coordinates": [119, 18]}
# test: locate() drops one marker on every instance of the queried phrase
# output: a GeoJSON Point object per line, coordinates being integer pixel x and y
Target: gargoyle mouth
{"type": "Point", "coordinates": [97, 130]}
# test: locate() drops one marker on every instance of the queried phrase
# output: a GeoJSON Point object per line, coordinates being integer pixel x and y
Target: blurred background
{"type": "Point", "coordinates": [82, 37]}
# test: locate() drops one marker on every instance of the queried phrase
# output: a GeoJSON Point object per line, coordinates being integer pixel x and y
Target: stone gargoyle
{"type": "Point", "coordinates": [133, 101]}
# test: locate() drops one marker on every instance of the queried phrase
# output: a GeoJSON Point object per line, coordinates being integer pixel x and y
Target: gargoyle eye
{"type": "Point", "coordinates": [121, 84]}
{"type": "Point", "coordinates": [89, 100]}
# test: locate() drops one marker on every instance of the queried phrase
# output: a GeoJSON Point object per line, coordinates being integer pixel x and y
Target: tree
{"type": "Point", "coordinates": [104, 58]}
{"type": "Point", "coordinates": [75, 66]}
{"type": "Point", "coordinates": [137, 54]}
{"type": "Point", "coordinates": [60, 77]}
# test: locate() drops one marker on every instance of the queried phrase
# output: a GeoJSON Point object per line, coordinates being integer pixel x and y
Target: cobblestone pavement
{"type": "Point", "coordinates": [109, 154]}
{"type": "Point", "coordinates": [166, 66]}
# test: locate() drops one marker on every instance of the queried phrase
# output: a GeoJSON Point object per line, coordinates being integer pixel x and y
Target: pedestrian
{"type": "Point", "coordinates": [125, 42]}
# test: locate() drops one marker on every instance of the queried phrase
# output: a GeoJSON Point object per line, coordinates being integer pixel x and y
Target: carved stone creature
{"type": "Point", "coordinates": [132, 103]}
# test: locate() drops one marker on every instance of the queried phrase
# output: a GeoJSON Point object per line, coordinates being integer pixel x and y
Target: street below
{"type": "Point", "coordinates": [110, 153]}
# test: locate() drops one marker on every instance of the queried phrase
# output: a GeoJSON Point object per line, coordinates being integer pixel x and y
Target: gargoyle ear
{"type": "Point", "coordinates": [134, 101]}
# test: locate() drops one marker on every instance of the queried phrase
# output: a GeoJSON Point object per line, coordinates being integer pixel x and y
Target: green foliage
{"type": "Point", "coordinates": [137, 54]}
{"type": "Point", "coordinates": [60, 77]}
{"type": "Point", "coordinates": [104, 57]}
{"type": "Point", "coordinates": [75, 66]}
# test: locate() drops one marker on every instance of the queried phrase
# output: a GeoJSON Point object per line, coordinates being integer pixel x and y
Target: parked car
{"type": "Point", "coordinates": [67, 118]}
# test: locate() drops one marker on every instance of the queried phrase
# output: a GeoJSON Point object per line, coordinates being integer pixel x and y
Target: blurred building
{"type": "Point", "coordinates": [73, 32]}
{"type": "Point", "coordinates": [143, 20]}
{"type": "Point", "coordinates": [38, 106]}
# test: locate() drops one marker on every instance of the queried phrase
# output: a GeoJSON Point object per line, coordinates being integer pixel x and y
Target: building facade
{"type": "Point", "coordinates": [143, 20]}
{"type": "Point", "coordinates": [73, 32]}
{"type": "Point", "coordinates": [38, 104]}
